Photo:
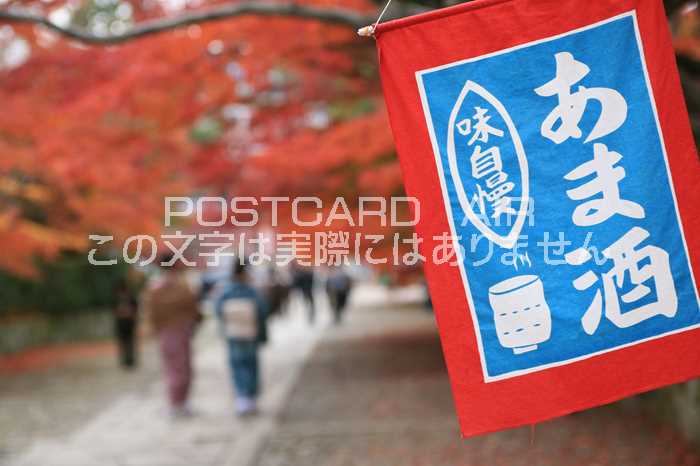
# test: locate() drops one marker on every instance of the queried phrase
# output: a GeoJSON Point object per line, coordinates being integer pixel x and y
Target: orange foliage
{"type": "Point", "coordinates": [93, 138]}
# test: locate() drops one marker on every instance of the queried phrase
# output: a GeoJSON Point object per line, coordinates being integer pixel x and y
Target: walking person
{"type": "Point", "coordinates": [338, 286]}
{"type": "Point", "coordinates": [276, 291]}
{"type": "Point", "coordinates": [173, 313]}
{"type": "Point", "coordinates": [242, 314]}
{"type": "Point", "coordinates": [303, 280]}
{"type": "Point", "coordinates": [125, 320]}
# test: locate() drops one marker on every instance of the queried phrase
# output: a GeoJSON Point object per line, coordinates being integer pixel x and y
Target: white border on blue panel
{"type": "Point", "coordinates": [448, 208]}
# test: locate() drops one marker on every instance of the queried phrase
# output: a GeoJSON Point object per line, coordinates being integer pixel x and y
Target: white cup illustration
{"type": "Point", "coordinates": [521, 313]}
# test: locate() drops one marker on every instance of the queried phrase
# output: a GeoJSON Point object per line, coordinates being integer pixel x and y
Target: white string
{"type": "Point", "coordinates": [369, 30]}
{"type": "Point", "coordinates": [386, 7]}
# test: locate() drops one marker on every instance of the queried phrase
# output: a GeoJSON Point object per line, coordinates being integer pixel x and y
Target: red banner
{"type": "Point", "coordinates": [549, 141]}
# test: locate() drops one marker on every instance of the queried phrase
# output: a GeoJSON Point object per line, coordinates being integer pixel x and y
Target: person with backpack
{"type": "Point", "coordinates": [242, 314]}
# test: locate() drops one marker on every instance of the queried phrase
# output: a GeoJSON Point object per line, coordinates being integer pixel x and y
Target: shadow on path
{"type": "Point", "coordinates": [375, 392]}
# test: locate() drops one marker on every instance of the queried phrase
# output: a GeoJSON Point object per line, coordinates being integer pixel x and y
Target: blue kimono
{"type": "Point", "coordinates": [243, 341]}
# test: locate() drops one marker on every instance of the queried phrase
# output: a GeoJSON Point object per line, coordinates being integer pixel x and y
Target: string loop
{"type": "Point", "coordinates": [368, 31]}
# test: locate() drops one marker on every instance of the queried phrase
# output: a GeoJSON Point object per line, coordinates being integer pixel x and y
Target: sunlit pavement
{"type": "Point", "coordinates": [371, 392]}
{"type": "Point", "coordinates": [129, 424]}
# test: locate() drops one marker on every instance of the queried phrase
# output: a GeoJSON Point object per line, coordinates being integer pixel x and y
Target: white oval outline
{"type": "Point", "coordinates": [504, 241]}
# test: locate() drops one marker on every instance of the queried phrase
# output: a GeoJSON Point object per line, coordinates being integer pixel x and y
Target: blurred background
{"type": "Point", "coordinates": [109, 106]}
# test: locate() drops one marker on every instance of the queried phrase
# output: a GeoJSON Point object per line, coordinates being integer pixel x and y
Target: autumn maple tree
{"type": "Point", "coordinates": [102, 116]}
{"type": "Point", "coordinates": [92, 138]}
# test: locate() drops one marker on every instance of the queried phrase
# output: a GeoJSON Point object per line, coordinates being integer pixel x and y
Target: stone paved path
{"type": "Point", "coordinates": [372, 392]}
{"type": "Point", "coordinates": [375, 392]}
{"type": "Point", "coordinates": [52, 402]}
{"type": "Point", "coordinates": [124, 421]}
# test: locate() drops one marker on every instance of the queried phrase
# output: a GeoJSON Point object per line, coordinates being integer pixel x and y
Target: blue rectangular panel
{"type": "Point", "coordinates": [556, 182]}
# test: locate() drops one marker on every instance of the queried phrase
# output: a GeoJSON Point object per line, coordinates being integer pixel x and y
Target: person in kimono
{"type": "Point", "coordinates": [173, 313]}
{"type": "Point", "coordinates": [242, 314]}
